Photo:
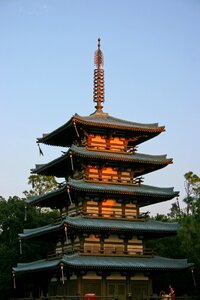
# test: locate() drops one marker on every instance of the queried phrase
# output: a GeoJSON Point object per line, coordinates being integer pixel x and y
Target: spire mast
{"type": "Point", "coordinates": [98, 95]}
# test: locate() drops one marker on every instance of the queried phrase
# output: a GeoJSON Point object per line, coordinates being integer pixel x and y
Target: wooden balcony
{"type": "Point", "coordinates": [117, 213]}
{"type": "Point", "coordinates": [117, 251]}
{"type": "Point", "coordinates": [108, 251]}
{"type": "Point", "coordinates": [111, 215]}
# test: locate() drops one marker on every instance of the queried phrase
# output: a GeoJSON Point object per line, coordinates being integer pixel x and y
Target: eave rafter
{"type": "Point", "coordinates": [148, 228]}
{"type": "Point", "coordinates": [62, 166]}
{"type": "Point", "coordinates": [64, 135]}
{"type": "Point", "coordinates": [143, 195]}
{"type": "Point", "coordinates": [77, 262]}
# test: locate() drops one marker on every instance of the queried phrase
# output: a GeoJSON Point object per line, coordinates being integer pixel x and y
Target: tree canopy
{"type": "Point", "coordinates": [12, 222]}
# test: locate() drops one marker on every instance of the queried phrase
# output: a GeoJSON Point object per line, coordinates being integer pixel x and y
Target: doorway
{"type": "Point", "coordinates": [116, 290]}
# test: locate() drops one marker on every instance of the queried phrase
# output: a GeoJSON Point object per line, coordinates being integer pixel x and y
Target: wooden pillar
{"type": "Point", "coordinates": [79, 284]}
{"type": "Point", "coordinates": [123, 210]}
{"type": "Point", "coordinates": [125, 245]}
{"type": "Point", "coordinates": [138, 211]}
{"type": "Point", "coordinates": [103, 286]}
{"type": "Point", "coordinates": [100, 208]}
{"type": "Point", "coordinates": [128, 286]}
{"type": "Point", "coordinates": [81, 243]}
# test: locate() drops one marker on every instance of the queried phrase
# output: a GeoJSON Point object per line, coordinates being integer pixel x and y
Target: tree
{"type": "Point", "coordinates": [175, 212]}
{"type": "Point", "coordinates": [40, 185]}
{"type": "Point", "coordinates": [12, 222]}
{"type": "Point", "coordinates": [189, 233]}
{"type": "Point", "coordinates": [192, 188]}
{"type": "Point", "coordinates": [187, 242]}
{"type": "Point", "coordinates": [11, 215]}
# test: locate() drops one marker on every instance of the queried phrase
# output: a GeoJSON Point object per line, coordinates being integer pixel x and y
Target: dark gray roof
{"type": "Point", "coordinates": [142, 189]}
{"type": "Point", "coordinates": [64, 135]}
{"type": "Point", "coordinates": [147, 226]}
{"type": "Point", "coordinates": [76, 261]}
{"type": "Point", "coordinates": [104, 119]}
{"type": "Point", "coordinates": [138, 157]}
{"type": "Point", "coordinates": [61, 166]}
{"type": "Point", "coordinates": [35, 199]}
{"type": "Point", "coordinates": [31, 233]}
{"type": "Point", "coordinates": [149, 194]}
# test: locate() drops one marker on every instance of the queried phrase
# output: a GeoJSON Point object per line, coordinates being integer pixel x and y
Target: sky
{"type": "Point", "coordinates": [152, 74]}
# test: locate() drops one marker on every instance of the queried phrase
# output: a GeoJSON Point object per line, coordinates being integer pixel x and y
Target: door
{"type": "Point", "coordinates": [139, 289]}
{"type": "Point", "coordinates": [116, 290]}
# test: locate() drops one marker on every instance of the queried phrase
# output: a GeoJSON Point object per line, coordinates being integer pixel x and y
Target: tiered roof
{"type": "Point", "coordinates": [143, 195]}
{"type": "Point", "coordinates": [101, 122]}
{"type": "Point", "coordinates": [88, 262]}
{"type": "Point", "coordinates": [149, 228]}
{"type": "Point", "coordinates": [60, 166]}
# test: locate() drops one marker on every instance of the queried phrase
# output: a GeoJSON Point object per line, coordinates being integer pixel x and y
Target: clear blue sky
{"type": "Point", "coordinates": [152, 74]}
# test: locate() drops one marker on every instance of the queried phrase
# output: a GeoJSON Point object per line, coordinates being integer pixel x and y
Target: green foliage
{"type": "Point", "coordinates": [190, 221]}
{"type": "Point", "coordinates": [166, 246]}
{"type": "Point", "coordinates": [187, 242]}
{"type": "Point", "coordinates": [190, 238]}
{"type": "Point", "coordinates": [175, 212]}
{"type": "Point", "coordinates": [192, 188]}
{"type": "Point", "coordinates": [40, 185]}
{"type": "Point", "coordinates": [161, 217]}
{"type": "Point", "coordinates": [191, 199]}
{"type": "Point", "coordinates": [12, 212]}
{"type": "Point", "coordinates": [12, 223]}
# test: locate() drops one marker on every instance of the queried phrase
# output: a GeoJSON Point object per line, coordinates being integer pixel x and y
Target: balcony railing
{"type": "Point", "coordinates": [108, 251]}
{"type": "Point", "coordinates": [140, 217]}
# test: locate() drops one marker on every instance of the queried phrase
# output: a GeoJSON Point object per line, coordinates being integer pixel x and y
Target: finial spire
{"type": "Point", "coordinates": [98, 78]}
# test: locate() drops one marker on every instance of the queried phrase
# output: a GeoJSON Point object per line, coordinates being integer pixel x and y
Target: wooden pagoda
{"type": "Point", "coordinates": [100, 239]}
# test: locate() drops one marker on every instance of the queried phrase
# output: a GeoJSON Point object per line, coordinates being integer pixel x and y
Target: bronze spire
{"type": "Point", "coordinates": [98, 95]}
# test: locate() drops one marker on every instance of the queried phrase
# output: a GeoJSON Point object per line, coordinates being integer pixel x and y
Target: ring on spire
{"type": "Point", "coordinates": [98, 94]}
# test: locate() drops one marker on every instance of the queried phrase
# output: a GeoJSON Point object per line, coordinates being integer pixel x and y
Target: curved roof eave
{"type": "Point", "coordinates": [76, 261]}
{"type": "Point", "coordinates": [96, 120]}
{"type": "Point", "coordinates": [38, 198]}
{"type": "Point", "coordinates": [105, 188]}
{"type": "Point", "coordinates": [47, 136]}
{"type": "Point", "coordinates": [136, 157]}
{"type": "Point", "coordinates": [105, 120]}
{"type": "Point", "coordinates": [103, 224]}
{"type": "Point", "coordinates": [142, 190]}
{"type": "Point", "coordinates": [157, 160]}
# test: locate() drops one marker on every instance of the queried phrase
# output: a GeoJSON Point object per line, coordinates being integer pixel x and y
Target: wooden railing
{"type": "Point", "coordinates": [108, 251]}
{"type": "Point", "coordinates": [141, 217]}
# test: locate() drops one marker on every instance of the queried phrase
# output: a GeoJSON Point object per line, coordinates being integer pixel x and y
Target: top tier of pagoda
{"type": "Point", "coordinates": [99, 122]}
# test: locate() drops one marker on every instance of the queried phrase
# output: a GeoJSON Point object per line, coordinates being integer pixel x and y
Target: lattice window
{"type": "Point", "coordinates": [126, 176]}
{"type": "Point", "coordinates": [135, 247]}
{"type": "Point", "coordinates": [131, 211]}
{"type": "Point", "coordinates": [113, 245]}
{"type": "Point", "coordinates": [92, 173]}
{"type": "Point", "coordinates": [111, 209]}
{"type": "Point", "coordinates": [109, 174]}
{"type": "Point", "coordinates": [97, 142]}
{"type": "Point", "coordinates": [92, 208]}
{"type": "Point", "coordinates": [117, 144]}
{"type": "Point", "coordinates": [92, 244]}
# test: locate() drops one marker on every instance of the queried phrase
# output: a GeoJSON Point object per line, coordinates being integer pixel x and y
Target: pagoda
{"type": "Point", "coordinates": [100, 238]}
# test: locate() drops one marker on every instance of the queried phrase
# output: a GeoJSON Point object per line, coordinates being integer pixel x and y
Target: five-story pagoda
{"type": "Point", "coordinates": [100, 238]}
